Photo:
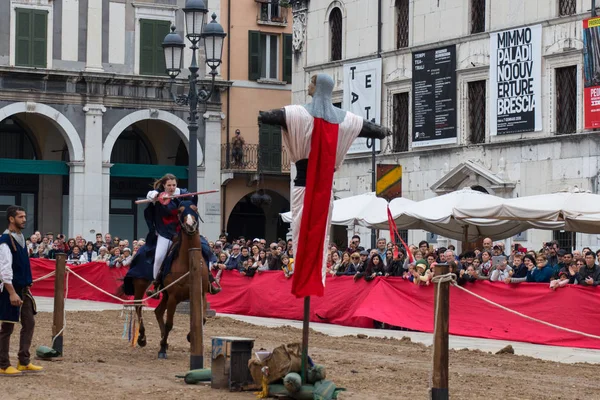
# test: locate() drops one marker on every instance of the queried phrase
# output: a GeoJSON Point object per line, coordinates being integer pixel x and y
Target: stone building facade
{"type": "Point", "coordinates": [561, 155]}
{"type": "Point", "coordinates": [86, 116]}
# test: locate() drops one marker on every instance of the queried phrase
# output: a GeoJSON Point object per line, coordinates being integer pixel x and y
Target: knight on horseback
{"type": "Point", "coordinates": [161, 217]}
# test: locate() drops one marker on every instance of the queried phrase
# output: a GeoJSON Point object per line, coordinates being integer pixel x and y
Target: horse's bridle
{"type": "Point", "coordinates": [184, 226]}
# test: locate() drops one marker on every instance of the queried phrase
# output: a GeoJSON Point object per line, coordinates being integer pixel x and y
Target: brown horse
{"type": "Point", "coordinates": [189, 237]}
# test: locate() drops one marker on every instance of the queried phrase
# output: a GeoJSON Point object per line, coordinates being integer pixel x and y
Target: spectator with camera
{"type": "Point", "coordinates": [116, 258]}
{"type": "Point", "coordinates": [273, 258]}
{"type": "Point", "coordinates": [501, 272]}
{"type": "Point", "coordinates": [76, 257]}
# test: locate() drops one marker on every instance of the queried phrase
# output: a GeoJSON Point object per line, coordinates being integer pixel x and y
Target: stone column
{"type": "Point", "coordinates": [94, 36]}
{"type": "Point", "coordinates": [76, 200]}
{"type": "Point", "coordinates": [96, 215]}
{"type": "Point", "coordinates": [209, 177]}
{"type": "Point", "coordinates": [105, 196]}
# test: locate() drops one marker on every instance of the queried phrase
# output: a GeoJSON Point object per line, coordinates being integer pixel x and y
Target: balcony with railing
{"type": "Point", "coordinates": [251, 158]}
{"type": "Point", "coordinates": [272, 12]}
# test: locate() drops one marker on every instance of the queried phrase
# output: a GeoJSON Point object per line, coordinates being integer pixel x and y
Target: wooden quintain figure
{"type": "Point", "coordinates": [317, 136]}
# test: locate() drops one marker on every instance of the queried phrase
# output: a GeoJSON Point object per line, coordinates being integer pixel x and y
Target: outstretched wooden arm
{"type": "Point", "coordinates": [277, 117]}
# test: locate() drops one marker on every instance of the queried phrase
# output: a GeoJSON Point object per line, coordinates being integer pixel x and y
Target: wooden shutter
{"type": "Point", "coordinates": [23, 37]}
{"type": "Point", "coordinates": [39, 38]}
{"type": "Point", "coordinates": [287, 58]}
{"type": "Point", "coordinates": [161, 29]}
{"type": "Point", "coordinates": [254, 55]}
{"type": "Point", "coordinates": [146, 47]}
{"type": "Point", "coordinates": [269, 155]}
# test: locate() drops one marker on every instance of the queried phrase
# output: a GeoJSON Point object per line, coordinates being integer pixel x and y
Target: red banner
{"type": "Point", "coordinates": [391, 300]}
{"type": "Point", "coordinates": [591, 72]}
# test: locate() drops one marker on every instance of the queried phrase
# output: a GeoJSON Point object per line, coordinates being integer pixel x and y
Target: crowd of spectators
{"type": "Point", "coordinates": [550, 264]}
{"type": "Point", "coordinates": [114, 251]}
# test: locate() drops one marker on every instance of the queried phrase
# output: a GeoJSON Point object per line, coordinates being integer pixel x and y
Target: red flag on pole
{"type": "Point", "coordinates": [394, 233]}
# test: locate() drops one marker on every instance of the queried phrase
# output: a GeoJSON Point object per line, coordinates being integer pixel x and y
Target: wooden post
{"type": "Point", "coordinates": [465, 243]}
{"type": "Point", "coordinates": [196, 310]}
{"type": "Point", "coordinates": [59, 302]}
{"type": "Point", "coordinates": [439, 388]}
{"type": "Point", "coordinates": [305, 331]}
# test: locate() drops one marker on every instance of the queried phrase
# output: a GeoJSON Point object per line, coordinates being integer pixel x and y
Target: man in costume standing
{"type": "Point", "coordinates": [16, 301]}
{"type": "Point", "coordinates": [317, 136]}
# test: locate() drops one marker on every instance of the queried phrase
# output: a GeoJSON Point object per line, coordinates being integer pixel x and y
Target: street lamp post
{"type": "Point", "coordinates": [213, 36]}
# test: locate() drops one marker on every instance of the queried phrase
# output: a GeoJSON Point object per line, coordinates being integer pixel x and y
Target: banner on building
{"type": "Point", "coordinates": [389, 181]}
{"type": "Point", "coordinates": [516, 80]}
{"type": "Point", "coordinates": [434, 97]}
{"type": "Point", "coordinates": [362, 96]}
{"type": "Point", "coordinates": [591, 70]}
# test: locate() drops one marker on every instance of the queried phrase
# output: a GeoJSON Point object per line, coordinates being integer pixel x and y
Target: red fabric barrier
{"type": "Point", "coordinates": [390, 300]}
{"type": "Point", "coordinates": [98, 273]}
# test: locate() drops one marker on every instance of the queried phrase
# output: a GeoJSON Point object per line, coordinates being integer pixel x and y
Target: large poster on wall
{"type": "Point", "coordinates": [591, 70]}
{"type": "Point", "coordinates": [434, 97]}
{"type": "Point", "coordinates": [362, 96]}
{"type": "Point", "coordinates": [516, 80]}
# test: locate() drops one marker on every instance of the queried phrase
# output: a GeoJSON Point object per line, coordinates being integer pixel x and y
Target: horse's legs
{"type": "Point", "coordinates": [171, 306]}
{"type": "Point", "coordinates": [138, 295]}
{"type": "Point", "coordinates": [159, 311]}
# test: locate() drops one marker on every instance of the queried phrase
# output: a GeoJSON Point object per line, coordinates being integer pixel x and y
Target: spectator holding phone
{"type": "Point", "coordinates": [501, 271]}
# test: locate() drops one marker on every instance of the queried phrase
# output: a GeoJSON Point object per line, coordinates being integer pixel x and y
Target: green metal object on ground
{"type": "Point", "coordinates": [198, 375]}
{"type": "Point", "coordinates": [46, 352]}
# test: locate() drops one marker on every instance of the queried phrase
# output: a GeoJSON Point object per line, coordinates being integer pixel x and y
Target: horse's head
{"type": "Point", "coordinates": [188, 217]}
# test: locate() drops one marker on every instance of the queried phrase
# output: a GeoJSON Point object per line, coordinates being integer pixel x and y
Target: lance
{"type": "Point", "coordinates": [165, 198]}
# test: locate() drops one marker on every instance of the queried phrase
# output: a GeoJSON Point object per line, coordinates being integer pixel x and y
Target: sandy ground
{"type": "Point", "coordinates": [98, 364]}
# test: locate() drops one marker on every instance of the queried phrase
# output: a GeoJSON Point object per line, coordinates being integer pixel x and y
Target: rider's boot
{"type": "Point", "coordinates": [152, 292]}
{"type": "Point", "coordinates": [212, 289]}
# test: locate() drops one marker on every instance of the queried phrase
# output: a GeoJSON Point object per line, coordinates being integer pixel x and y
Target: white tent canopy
{"type": "Point", "coordinates": [436, 215]}
{"type": "Point", "coordinates": [575, 211]}
{"type": "Point", "coordinates": [350, 210]}
{"type": "Point", "coordinates": [378, 213]}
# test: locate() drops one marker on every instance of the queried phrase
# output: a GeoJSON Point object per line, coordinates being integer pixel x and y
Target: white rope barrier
{"type": "Point", "coordinates": [69, 270]}
{"type": "Point", "coordinates": [41, 278]}
{"type": "Point", "coordinates": [523, 315]}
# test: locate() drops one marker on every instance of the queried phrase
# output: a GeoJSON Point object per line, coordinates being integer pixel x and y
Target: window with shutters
{"type": "Point", "coordinates": [287, 58]}
{"type": "Point", "coordinates": [31, 37]}
{"type": "Point", "coordinates": [477, 16]}
{"type": "Point", "coordinates": [400, 135]}
{"type": "Point", "coordinates": [335, 34]}
{"type": "Point", "coordinates": [477, 91]}
{"type": "Point", "coordinates": [566, 7]}
{"type": "Point", "coordinates": [566, 100]}
{"type": "Point", "coordinates": [152, 34]}
{"type": "Point", "coordinates": [402, 23]}
{"type": "Point", "coordinates": [264, 56]}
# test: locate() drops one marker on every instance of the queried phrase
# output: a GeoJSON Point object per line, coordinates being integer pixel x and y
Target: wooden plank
{"type": "Point", "coordinates": [439, 387]}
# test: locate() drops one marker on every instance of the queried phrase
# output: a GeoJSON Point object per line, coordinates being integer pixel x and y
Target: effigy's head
{"type": "Point", "coordinates": [320, 85]}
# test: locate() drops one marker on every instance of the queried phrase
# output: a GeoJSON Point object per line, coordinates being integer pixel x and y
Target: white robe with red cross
{"type": "Point", "coordinates": [312, 205]}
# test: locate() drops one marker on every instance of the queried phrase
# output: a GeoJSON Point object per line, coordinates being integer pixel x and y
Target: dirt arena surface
{"type": "Point", "coordinates": [98, 364]}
